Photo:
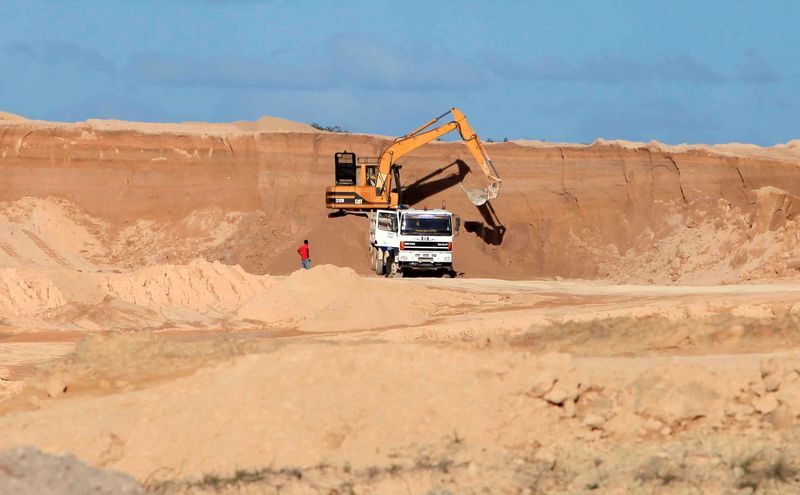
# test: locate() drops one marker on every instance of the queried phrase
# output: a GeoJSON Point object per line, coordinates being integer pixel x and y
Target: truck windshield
{"type": "Point", "coordinates": [426, 224]}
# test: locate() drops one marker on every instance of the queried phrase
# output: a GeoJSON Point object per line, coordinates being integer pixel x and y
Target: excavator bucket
{"type": "Point", "coordinates": [479, 197]}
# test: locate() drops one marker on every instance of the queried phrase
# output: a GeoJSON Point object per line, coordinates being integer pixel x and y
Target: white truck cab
{"type": "Point", "coordinates": [405, 240]}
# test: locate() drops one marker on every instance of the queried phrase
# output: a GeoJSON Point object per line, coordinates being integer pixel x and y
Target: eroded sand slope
{"type": "Point", "coordinates": [572, 211]}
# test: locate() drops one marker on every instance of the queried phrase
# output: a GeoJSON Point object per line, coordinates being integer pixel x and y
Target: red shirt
{"type": "Point", "coordinates": [304, 252]}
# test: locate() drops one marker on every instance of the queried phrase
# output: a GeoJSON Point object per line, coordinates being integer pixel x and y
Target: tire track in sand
{"type": "Point", "coordinates": [54, 255]}
{"type": "Point", "coordinates": [9, 249]}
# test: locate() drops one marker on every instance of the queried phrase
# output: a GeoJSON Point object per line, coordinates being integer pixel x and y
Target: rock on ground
{"type": "Point", "coordinates": [26, 471]}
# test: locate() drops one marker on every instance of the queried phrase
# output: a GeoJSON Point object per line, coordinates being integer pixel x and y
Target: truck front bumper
{"type": "Point", "coordinates": [425, 260]}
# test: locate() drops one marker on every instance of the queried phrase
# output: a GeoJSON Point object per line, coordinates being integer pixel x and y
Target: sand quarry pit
{"type": "Point", "coordinates": [626, 319]}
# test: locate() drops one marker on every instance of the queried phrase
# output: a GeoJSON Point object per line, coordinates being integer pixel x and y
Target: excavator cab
{"type": "Point", "coordinates": [371, 174]}
{"type": "Point", "coordinates": [345, 168]}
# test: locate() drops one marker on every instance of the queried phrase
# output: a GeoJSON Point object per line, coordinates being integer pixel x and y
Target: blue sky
{"type": "Point", "coordinates": [675, 71]}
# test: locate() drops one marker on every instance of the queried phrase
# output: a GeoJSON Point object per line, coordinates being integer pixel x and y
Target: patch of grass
{"type": "Point", "coordinates": [443, 464]}
{"type": "Point", "coordinates": [295, 476]}
{"type": "Point", "coordinates": [212, 480]}
{"type": "Point", "coordinates": [782, 471]}
{"type": "Point", "coordinates": [659, 469]}
{"type": "Point", "coordinates": [243, 477]}
{"type": "Point", "coordinates": [757, 468]}
{"type": "Point", "coordinates": [329, 128]}
{"type": "Point", "coordinates": [247, 476]}
{"type": "Point", "coordinates": [623, 335]}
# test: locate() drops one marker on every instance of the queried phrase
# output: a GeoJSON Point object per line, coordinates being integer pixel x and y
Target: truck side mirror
{"type": "Point", "coordinates": [458, 224]}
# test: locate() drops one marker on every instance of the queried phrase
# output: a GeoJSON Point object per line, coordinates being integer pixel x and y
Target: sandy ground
{"type": "Point", "coordinates": [505, 386]}
{"type": "Point", "coordinates": [632, 327]}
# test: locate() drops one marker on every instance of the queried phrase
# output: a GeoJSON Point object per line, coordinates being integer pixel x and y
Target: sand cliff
{"type": "Point", "coordinates": [583, 211]}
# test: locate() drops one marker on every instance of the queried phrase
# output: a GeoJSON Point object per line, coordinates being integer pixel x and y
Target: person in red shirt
{"type": "Point", "coordinates": [305, 255]}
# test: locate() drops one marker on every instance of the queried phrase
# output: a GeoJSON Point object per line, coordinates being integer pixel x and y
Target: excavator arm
{"type": "Point", "coordinates": [420, 136]}
{"type": "Point", "coordinates": [473, 142]}
{"type": "Point", "coordinates": [403, 146]}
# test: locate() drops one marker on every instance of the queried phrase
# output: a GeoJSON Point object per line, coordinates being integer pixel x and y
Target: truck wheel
{"type": "Point", "coordinates": [448, 274]}
{"type": "Point", "coordinates": [379, 264]}
{"type": "Point", "coordinates": [396, 271]}
{"type": "Point", "coordinates": [392, 267]}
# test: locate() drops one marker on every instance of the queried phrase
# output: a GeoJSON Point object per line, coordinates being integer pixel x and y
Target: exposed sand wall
{"type": "Point", "coordinates": [572, 211]}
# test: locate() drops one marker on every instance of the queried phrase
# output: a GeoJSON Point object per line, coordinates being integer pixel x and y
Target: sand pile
{"type": "Point", "coordinates": [330, 298]}
{"type": "Point", "coordinates": [201, 293]}
{"type": "Point", "coordinates": [273, 124]}
{"type": "Point", "coordinates": [149, 242]}
{"type": "Point", "coordinates": [198, 293]}
{"type": "Point", "coordinates": [50, 233]}
{"type": "Point", "coordinates": [12, 116]}
{"type": "Point", "coordinates": [199, 286]}
{"type": "Point", "coordinates": [263, 124]}
{"type": "Point", "coordinates": [717, 244]}
{"type": "Point", "coordinates": [788, 152]}
{"type": "Point", "coordinates": [24, 293]}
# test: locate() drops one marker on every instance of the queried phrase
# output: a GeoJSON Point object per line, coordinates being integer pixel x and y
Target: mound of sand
{"type": "Point", "coordinates": [273, 124]}
{"type": "Point", "coordinates": [719, 244]}
{"type": "Point", "coordinates": [12, 117]}
{"type": "Point", "coordinates": [200, 286]}
{"type": "Point", "coordinates": [787, 152]}
{"type": "Point", "coordinates": [24, 293]}
{"type": "Point", "coordinates": [330, 298]}
{"type": "Point", "coordinates": [50, 232]}
{"type": "Point", "coordinates": [263, 124]}
{"type": "Point", "coordinates": [323, 299]}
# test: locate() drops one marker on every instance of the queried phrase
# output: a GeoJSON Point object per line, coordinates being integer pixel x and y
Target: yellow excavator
{"type": "Point", "coordinates": [364, 184]}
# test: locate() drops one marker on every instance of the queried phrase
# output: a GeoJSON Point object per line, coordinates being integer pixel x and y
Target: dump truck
{"type": "Point", "coordinates": [407, 240]}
